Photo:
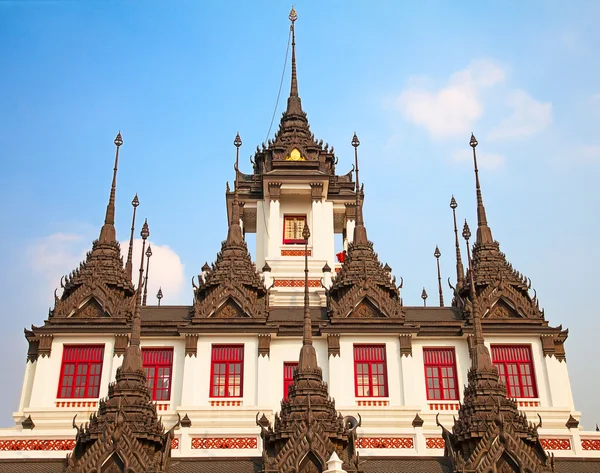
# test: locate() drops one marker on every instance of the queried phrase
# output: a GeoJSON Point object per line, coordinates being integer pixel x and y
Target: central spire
{"type": "Point", "coordinates": [294, 105]}
{"type": "Point", "coordinates": [108, 233]}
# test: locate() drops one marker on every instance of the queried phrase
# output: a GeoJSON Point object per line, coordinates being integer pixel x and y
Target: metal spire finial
{"type": "Point", "coordinates": [424, 297]}
{"type": "Point", "coordinates": [148, 255]}
{"type": "Point", "coordinates": [132, 361]}
{"type": "Point", "coordinates": [460, 270]}
{"type": "Point", "coordinates": [437, 255]}
{"type": "Point", "coordinates": [360, 232]}
{"type": "Point", "coordinates": [484, 234]}
{"type": "Point", "coordinates": [237, 142]}
{"type": "Point", "coordinates": [294, 88]}
{"type": "Point", "coordinates": [307, 338]}
{"type": "Point", "coordinates": [108, 232]}
{"type": "Point", "coordinates": [234, 234]}
{"type": "Point", "coordinates": [159, 295]}
{"type": "Point", "coordinates": [129, 265]}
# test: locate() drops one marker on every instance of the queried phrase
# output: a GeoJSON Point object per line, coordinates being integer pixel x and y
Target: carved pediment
{"type": "Point", "coordinates": [229, 310]}
{"type": "Point", "coordinates": [502, 310]}
{"type": "Point", "coordinates": [366, 309]}
{"type": "Point", "coordinates": [90, 309]}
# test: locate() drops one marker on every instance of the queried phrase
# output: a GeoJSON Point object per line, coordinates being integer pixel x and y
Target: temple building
{"type": "Point", "coordinates": [304, 360]}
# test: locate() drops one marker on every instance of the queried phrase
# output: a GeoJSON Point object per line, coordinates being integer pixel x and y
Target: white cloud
{"type": "Point", "coordinates": [56, 255]}
{"type": "Point", "coordinates": [453, 109]}
{"type": "Point", "coordinates": [528, 117]}
{"type": "Point", "coordinates": [166, 271]}
{"type": "Point", "coordinates": [489, 161]}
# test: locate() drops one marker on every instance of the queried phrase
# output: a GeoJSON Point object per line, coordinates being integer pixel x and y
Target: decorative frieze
{"type": "Point", "coordinates": [333, 344]}
{"type": "Point", "coordinates": [175, 443]}
{"type": "Point", "coordinates": [264, 344]}
{"type": "Point", "coordinates": [373, 403]}
{"type": "Point", "coordinates": [295, 253]}
{"type": "Point", "coordinates": [78, 404]}
{"type": "Point", "coordinates": [434, 442]}
{"type": "Point", "coordinates": [12, 445]}
{"type": "Point", "coordinates": [444, 406]}
{"type": "Point", "coordinates": [121, 342]}
{"type": "Point", "coordinates": [45, 346]}
{"type": "Point", "coordinates": [191, 344]}
{"type": "Point", "coordinates": [556, 443]}
{"type": "Point", "coordinates": [296, 283]}
{"type": "Point", "coordinates": [405, 344]}
{"type": "Point", "coordinates": [590, 444]}
{"type": "Point", "coordinates": [385, 442]}
{"type": "Point", "coordinates": [225, 403]}
{"type": "Point", "coordinates": [229, 443]}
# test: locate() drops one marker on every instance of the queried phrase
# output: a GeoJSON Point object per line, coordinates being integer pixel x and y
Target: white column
{"type": "Point", "coordinates": [336, 372]}
{"type": "Point", "coordinates": [350, 224]}
{"type": "Point", "coordinates": [45, 383]}
{"type": "Point", "coordinates": [191, 388]}
{"type": "Point", "coordinates": [263, 381]}
{"type": "Point", "coordinates": [275, 231]}
{"type": "Point", "coordinates": [27, 385]}
{"type": "Point", "coordinates": [317, 230]}
{"type": "Point", "coordinates": [559, 386]}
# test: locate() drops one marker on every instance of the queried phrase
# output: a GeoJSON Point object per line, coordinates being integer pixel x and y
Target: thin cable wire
{"type": "Point", "coordinates": [287, 51]}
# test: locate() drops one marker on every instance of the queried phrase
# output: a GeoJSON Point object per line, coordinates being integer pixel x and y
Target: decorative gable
{"type": "Point", "coordinates": [229, 310]}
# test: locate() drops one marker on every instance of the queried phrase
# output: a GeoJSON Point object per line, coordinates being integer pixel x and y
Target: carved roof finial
{"type": "Point", "coordinates": [308, 356]}
{"type": "Point", "coordinates": [132, 361]}
{"type": "Point", "coordinates": [129, 265]}
{"type": "Point", "coordinates": [437, 255]}
{"type": "Point", "coordinates": [360, 231]}
{"type": "Point", "coordinates": [108, 233]}
{"type": "Point", "coordinates": [484, 234]}
{"type": "Point", "coordinates": [148, 255]}
{"type": "Point", "coordinates": [466, 233]}
{"type": "Point", "coordinates": [460, 270]}
{"type": "Point", "coordinates": [294, 105]}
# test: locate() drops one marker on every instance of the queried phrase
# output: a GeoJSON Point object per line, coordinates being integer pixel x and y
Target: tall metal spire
{"type": "Point", "coordinates": [437, 255]}
{"type": "Point", "coordinates": [484, 234]}
{"type": "Point", "coordinates": [234, 234]}
{"type": "Point", "coordinates": [460, 270]}
{"type": "Point", "coordinates": [108, 232]}
{"type": "Point", "coordinates": [132, 360]}
{"type": "Point", "coordinates": [129, 265]}
{"type": "Point", "coordinates": [360, 232]}
{"type": "Point", "coordinates": [294, 105]}
{"type": "Point", "coordinates": [148, 255]}
{"type": "Point", "coordinates": [480, 355]}
{"type": "Point", "coordinates": [308, 356]}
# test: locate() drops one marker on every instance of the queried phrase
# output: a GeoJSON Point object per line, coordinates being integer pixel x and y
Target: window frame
{"type": "Point", "coordinates": [226, 375]}
{"type": "Point", "coordinates": [440, 377]}
{"type": "Point", "coordinates": [157, 365]}
{"type": "Point", "coordinates": [289, 380]}
{"type": "Point", "coordinates": [370, 364]}
{"type": "Point", "coordinates": [76, 362]}
{"type": "Point", "coordinates": [505, 378]}
{"type": "Point", "coordinates": [293, 241]}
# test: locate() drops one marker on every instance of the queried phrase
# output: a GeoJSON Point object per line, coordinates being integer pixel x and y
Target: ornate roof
{"type": "Point", "coordinates": [232, 288]}
{"type": "Point", "coordinates": [100, 286]}
{"type": "Point", "coordinates": [505, 290]}
{"type": "Point", "coordinates": [125, 434]}
{"type": "Point", "coordinates": [294, 146]}
{"type": "Point", "coordinates": [491, 434]}
{"type": "Point", "coordinates": [363, 288]}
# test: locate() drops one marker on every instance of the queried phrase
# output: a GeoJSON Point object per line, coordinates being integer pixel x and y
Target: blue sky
{"type": "Point", "coordinates": [179, 79]}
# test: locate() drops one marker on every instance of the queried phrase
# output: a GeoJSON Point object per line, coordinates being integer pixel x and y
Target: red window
{"type": "Point", "coordinates": [158, 365]}
{"type": "Point", "coordinates": [288, 376]}
{"type": "Point", "coordinates": [81, 371]}
{"type": "Point", "coordinates": [440, 373]}
{"type": "Point", "coordinates": [515, 365]}
{"type": "Point", "coordinates": [370, 371]}
{"type": "Point", "coordinates": [293, 225]}
{"type": "Point", "coordinates": [227, 369]}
